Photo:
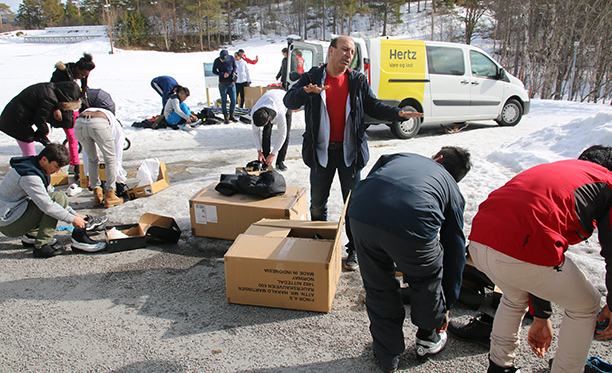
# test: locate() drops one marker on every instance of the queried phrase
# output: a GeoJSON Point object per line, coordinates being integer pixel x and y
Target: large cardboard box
{"type": "Point", "coordinates": [280, 263]}
{"type": "Point", "coordinates": [162, 183]}
{"type": "Point", "coordinates": [252, 94]}
{"type": "Point", "coordinates": [216, 215]}
{"type": "Point", "coordinates": [59, 178]}
{"type": "Point", "coordinates": [154, 226]}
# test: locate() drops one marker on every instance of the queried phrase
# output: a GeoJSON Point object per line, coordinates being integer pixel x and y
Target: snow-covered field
{"type": "Point", "coordinates": [553, 130]}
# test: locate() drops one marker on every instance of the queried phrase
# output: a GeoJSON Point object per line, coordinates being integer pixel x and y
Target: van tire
{"type": "Point", "coordinates": [511, 113]}
{"type": "Point", "coordinates": [406, 129]}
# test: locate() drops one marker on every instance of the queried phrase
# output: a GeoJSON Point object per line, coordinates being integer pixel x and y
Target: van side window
{"type": "Point", "coordinates": [446, 61]}
{"type": "Point", "coordinates": [482, 65]}
{"type": "Point", "coordinates": [356, 62]}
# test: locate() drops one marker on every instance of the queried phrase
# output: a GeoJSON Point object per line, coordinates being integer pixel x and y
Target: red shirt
{"type": "Point", "coordinates": [335, 99]}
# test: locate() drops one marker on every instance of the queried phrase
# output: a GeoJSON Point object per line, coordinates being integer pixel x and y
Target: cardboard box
{"type": "Point", "coordinates": [59, 178]}
{"type": "Point", "coordinates": [216, 215]}
{"type": "Point", "coordinates": [279, 263]}
{"type": "Point", "coordinates": [249, 170]}
{"type": "Point", "coordinates": [162, 183]}
{"type": "Point", "coordinates": [252, 95]}
{"type": "Point", "coordinates": [84, 178]}
{"type": "Point", "coordinates": [150, 225]}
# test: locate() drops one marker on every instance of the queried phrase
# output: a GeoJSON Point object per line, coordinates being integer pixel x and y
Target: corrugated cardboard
{"type": "Point", "coordinates": [59, 178]}
{"type": "Point", "coordinates": [249, 170]}
{"type": "Point", "coordinates": [162, 183]}
{"type": "Point", "coordinates": [279, 263]}
{"type": "Point", "coordinates": [252, 95]}
{"type": "Point", "coordinates": [216, 215]}
{"type": "Point", "coordinates": [150, 225]}
{"type": "Point", "coordinates": [84, 179]}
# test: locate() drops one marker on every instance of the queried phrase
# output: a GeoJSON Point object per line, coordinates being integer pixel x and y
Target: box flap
{"type": "Point", "coordinates": [338, 238]}
{"type": "Point", "coordinates": [280, 249]}
{"type": "Point", "coordinates": [259, 230]}
{"type": "Point", "coordinates": [160, 227]}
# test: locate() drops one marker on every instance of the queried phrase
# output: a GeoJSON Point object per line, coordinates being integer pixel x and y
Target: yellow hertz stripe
{"type": "Point", "coordinates": [402, 69]}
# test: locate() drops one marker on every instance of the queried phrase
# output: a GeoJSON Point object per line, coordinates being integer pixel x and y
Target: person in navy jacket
{"type": "Point", "coordinates": [225, 67]}
{"type": "Point", "coordinates": [165, 86]}
{"type": "Point", "coordinates": [408, 213]}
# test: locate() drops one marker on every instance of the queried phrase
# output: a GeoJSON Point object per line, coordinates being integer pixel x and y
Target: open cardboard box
{"type": "Point", "coordinates": [162, 183]}
{"type": "Point", "coordinates": [280, 263]}
{"type": "Point", "coordinates": [219, 216]}
{"type": "Point", "coordinates": [59, 178]}
{"type": "Point", "coordinates": [253, 94]}
{"type": "Point", "coordinates": [154, 226]}
{"type": "Point", "coordinates": [84, 178]}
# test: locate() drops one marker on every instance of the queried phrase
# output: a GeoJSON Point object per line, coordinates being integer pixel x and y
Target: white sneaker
{"type": "Point", "coordinates": [29, 241]}
{"type": "Point", "coordinates": [186, 127]}
{"type": "Point", "coordinates": [89, 247]}
{"type": "Point", "coordinates": [424, 348]}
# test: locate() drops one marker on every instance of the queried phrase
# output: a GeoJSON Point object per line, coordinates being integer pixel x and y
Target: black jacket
{"type": "Point", "coordinates": [35, 106]}
{"type": "Point", "coordinates": [362, 101]}
{"type": "Point", "coordinates": [65, 73]}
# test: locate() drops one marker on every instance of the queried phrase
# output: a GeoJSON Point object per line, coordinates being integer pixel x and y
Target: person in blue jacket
{"type": "Point", "coordinates": [408, 213]}
{"type": "Point", "coordinates": [225, 67]}
{"type": "Point", "coordinates": [165, 86]}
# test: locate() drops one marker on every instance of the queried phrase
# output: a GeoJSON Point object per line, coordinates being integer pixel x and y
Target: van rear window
{"type": "Point", "coordinates": [446, 61]}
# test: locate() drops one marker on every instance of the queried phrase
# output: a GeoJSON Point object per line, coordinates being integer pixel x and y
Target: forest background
{"type": "Point", "coordinates": [560, 49]}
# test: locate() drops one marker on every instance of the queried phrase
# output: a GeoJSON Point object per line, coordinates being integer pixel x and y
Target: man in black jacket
{"type": "Point", "coordinates": [409, 212]}
{"type": "Point", "coordinates": [335, 100]}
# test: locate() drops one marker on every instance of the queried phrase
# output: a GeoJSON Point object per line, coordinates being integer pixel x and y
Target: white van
{"type": "Point", "coordinates": [447, 82]}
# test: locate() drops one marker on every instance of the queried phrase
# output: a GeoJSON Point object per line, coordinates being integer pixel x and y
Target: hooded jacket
{"type": "Point", "coordinates": [362, 101]}
{"type": "Point", "coordinates": [26, 180]}
{"type": "Point", "coordinates": [35, 106]}
{"type": "Point", "coordinates": [224, 64]}
{"type": "Point", "coordinates": [65, 73]}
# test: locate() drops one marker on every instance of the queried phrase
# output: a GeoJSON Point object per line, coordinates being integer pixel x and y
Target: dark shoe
{"type": "Point", "coordinates": [29, 240]}
{"type": "Point", "coordinates": [478, 330]}
{"type": "Point", "coordinates": [93, 223]}
{"type": "Point", "coordinates": [390, 367]}
{"type": "Point", "coordinates": [82, 242]}
{"type": "Point", "coordinates": [48, 251]}
{"type": "Point", "coordinates": [494, 368]}
{"type": "Point", "coordinates": [281, 166]}
{"type": "Point", "coordinates": [233, 118]}
{"type": "Point", "coordinates": [351, 261]}
{"type": "Point", "coordinates": [76, 172]}
{"type": "Point", "coordinates": [424, 348]}
{"type": "Point", "coordinates": [596, 365]}
{"type": "Point", "coordinates": [225, 119]}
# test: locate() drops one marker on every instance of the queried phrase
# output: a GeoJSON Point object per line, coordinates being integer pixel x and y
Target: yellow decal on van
{"type": "Point", "coordinates": [402, 69]}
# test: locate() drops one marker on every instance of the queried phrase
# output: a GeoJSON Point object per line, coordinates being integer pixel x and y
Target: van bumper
{"type": "Point", "coordinates": [526, 107]}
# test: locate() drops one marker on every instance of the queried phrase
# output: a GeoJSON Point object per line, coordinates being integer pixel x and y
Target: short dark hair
{"type": "Point", "coordinates": [261, 117]}
{"type": "Point", "coordinates": [183, 90]}
{"type": "Point", "coordinates": [455, 160]}
{"type": "Point", "coordinates": [285, 50]}
{"type": "Point", "coordinates": [86, 62]}
{"type": "Point", "coordinates": [55, 152]}
{"type": "Point", "coordinates": [600, 154]}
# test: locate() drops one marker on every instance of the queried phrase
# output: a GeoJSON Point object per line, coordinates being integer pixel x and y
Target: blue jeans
{"type": "Point", "coordinates": [174, 118]}
{"type": "Point", "coordinates": [226, 90]}
{"type": "Point", "coordinates": [321, 179]}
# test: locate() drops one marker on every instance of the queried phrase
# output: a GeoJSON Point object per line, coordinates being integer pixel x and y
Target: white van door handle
{"type": "Point", "coordinates": [475, 83]}
{"type": "Point", "coordinates": [464, 82]}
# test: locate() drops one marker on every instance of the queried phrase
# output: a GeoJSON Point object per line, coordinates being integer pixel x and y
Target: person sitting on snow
{"type": "Point", "coordinates": [176, 112]}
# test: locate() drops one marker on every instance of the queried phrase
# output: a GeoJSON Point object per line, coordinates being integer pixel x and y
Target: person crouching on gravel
{"type": "Point", "coordinates": [28, 209]}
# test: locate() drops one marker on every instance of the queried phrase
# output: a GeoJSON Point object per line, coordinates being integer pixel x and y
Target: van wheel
{"type": "Point", "coordinates": [511, 113]}
{"type": "Point", "coordinates": [408, 128]}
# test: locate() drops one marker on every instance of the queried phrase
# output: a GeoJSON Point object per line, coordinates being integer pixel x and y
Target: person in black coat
{"type": "Point", "coordinates": [36, 105]}
{"type": "Point", "coordinates": [75, 72]}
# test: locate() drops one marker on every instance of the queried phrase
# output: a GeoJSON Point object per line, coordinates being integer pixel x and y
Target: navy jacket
{"type": "Point", "coordinates": [362, 101]}
{"type": "Point", "coordinates": [167, 84]}
{"type": "Point", "coordinates": [415, 198]}
{"type": "Point", "coordinates": [224, 64]}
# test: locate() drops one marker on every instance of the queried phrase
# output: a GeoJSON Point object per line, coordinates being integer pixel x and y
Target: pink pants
{"type": "Point", "coordinates": [73, 144]}
{"type": "Point", "coordinates": [27, 148]}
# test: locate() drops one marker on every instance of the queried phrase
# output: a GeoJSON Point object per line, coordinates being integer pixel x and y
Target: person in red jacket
{"type": "Point", "coordinates": [519, 238]}
{"type": "Point", "coordinates": [247, 60]}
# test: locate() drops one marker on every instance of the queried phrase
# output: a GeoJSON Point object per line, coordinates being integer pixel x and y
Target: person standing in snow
{"type": "Point", "coordinates": [243, 78]}
{"type": "Point", "coordinates": [519, 238]}
{"type": "Point", "coordinates": [225, 67]}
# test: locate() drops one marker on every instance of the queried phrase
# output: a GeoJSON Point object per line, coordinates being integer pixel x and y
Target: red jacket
{"type": "Point", "coordinates": [543, 210]}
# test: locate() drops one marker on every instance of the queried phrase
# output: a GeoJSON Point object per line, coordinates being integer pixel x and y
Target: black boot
{"type": "Point", "coordinates": [478, 330]}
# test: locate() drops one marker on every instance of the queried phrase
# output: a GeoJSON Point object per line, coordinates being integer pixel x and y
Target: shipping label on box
{"type": "Point", "coordinates": [218, 216]}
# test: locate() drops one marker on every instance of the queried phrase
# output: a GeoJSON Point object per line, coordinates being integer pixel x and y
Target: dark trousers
{"type": "Point", "coordinates": [378, 252]}
{"type": "Point", "coordinates": [240, 92]}
{"type": "Point", "coordinates": [321, 179]}
{"type": "Point", "coordinates": [266, 139]}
